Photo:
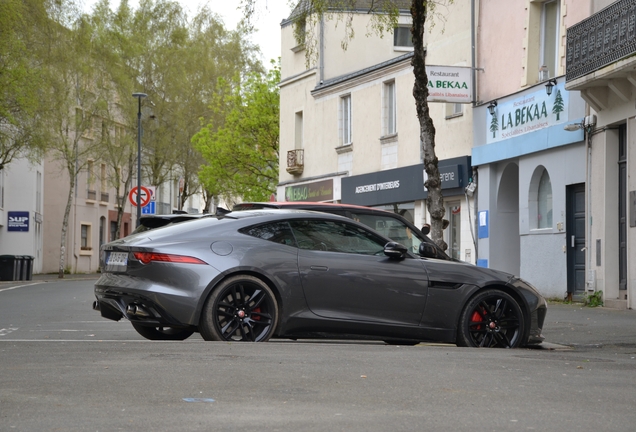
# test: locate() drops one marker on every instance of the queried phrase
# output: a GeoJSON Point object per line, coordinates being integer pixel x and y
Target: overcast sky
{"type": "Point", "coordinates": [269, 15]}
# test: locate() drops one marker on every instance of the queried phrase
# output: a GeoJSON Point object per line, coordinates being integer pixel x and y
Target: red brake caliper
{"type": "Point", "coordinates": [258, 317]}
{"type": "Point", "coordinates": [476, 318]}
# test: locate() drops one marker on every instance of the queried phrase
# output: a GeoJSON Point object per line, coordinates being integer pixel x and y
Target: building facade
{"type": "Point", "coordinates": [600, 65]}
{"type": "Point", "coordinates": [21, 211]}
{"type": "Point", "coordinates": [532, 172]}
{"type": "Point", "coordinates": [349, 130]}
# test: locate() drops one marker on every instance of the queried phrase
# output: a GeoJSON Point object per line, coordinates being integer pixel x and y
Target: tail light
{"type": "Point", "coordinates": [148, 257]}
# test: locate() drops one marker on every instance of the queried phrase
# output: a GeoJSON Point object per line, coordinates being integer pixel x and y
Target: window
{"type": "Point", "coordinates": [389, 109]}
{"type": "Point", "coordinates": [278, 232]}
{"type": "Point", "coordinates": [336, 237]}
{"type": "Point", "coordinates": [549, 39]}
{"type": "Point", "coordinates": [390, 227]}
{"type": "Point", "coordinates": [90, 175]}
{"type": "Point", "coordinates": [300, 33]}
{"type": "Point", "coordinates": [113, 230]}
{"type": "Point", "coordinates": [544, 202]}
{"type": "Point", "coordinates": [85, 235]}
{"type": "Point", "coordinates": [454, 231]}
{"type": "Point", "coordinates": [402, 37]}
{"type": "Point", "coordinates": [298, 130]}
{"type": "Point", "coordinates": [454, 110]}
{"type": "Point", "coordinates": [102, 230]}
{"type": "Point", "coordinates": [345, 120]}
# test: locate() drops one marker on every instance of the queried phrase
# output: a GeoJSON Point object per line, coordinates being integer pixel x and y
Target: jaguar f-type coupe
{"type": "Point", "coordinates": [254, 275]}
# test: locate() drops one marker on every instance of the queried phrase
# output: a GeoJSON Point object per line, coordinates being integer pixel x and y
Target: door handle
{"type": "Point", "coordinates": [572, 241]}
{"type": "Point", "coordinates": [320, 268]}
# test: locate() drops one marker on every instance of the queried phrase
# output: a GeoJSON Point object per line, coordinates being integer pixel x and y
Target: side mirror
{"type": "Point", "coordinates": [395, 250]}
{"type": "Point", "coordinates": [426, 229]}
{"type": "Point", "coordinates": [427, 250]}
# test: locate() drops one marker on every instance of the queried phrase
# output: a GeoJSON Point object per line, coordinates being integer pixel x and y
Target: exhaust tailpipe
{"type": "Point", "coordinates": [135, 310]}
{"type": "Point", "coordinates": [96, 305]}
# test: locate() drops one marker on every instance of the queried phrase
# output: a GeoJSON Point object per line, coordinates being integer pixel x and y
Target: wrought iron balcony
{"type": "Point", "coordinates": [295, 161]}
{"type": "Point", "coordinates": [602, 39]}
{"type": "Point", "coordinates": [104, 197]}
{"type": "Point", "coordinates": [91, 195]}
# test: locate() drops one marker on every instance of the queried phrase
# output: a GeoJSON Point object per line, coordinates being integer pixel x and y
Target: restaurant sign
{"type": "Point", "coordinates": [314, 192]}
{"type": "Point", "coordinates": [451, 84]}
{"type": "Point", "coordinates": [527, 113]}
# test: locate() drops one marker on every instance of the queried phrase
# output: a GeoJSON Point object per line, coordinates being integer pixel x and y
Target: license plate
{"type": "Point", "coordinates": [117, 259]}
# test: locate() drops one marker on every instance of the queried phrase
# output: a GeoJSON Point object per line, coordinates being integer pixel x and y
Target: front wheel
{"type": "Point", "coordinates": [162, 333]}
{"type": "Point", "coordinates": [492, 319]}
{"type": "Point", "coordinates": [241, 308]}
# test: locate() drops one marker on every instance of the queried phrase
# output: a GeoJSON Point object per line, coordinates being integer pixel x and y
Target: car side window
{"type": "Point", "coordinates": [336, 237]}
{"type": "Point", "coordinates": [277, 232]}
{"type": "Point", "coordinates": [392, 228]}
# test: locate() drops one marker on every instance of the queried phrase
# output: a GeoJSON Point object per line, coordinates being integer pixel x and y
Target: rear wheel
{"type": "Point", "coordinates": [162, 333]}
{"type": "Point", "coordinates": [492, 319]}
{"type": "Point", "coordinates": [241, 308]}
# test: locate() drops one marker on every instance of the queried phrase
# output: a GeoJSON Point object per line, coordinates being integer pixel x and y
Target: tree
{"type": "Point", "coordinates": [77, 94]}
{"type": "Point", "coordinates": [242, 154]}
{"type": "Point", "coordinates": [385, 14]}
{"type": "Point", "coordinates": [21, 42]}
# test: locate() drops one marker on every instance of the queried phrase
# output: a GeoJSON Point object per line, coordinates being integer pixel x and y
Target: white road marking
{"type": "Point", "coordinates": [6, 331]}
{"type": "Point", "coordinates": [20, 286]}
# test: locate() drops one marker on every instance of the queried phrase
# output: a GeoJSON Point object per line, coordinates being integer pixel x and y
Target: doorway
{"type": "Point", "coordinates": [575, 235]}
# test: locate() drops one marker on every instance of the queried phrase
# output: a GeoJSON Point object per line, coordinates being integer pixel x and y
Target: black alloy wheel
{"type": "Point", "coordinates": [162, 333]}
{"type": "Point", "coordinates": [491, 319]}
{"type": "Point", "coordinates": [241, 308]}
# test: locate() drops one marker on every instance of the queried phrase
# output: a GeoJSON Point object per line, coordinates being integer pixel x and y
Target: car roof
{"type": "Point", "coordinates": [306, 205]}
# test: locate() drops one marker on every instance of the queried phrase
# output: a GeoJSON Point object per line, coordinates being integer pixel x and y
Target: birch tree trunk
{"type": "Point", "coordinates": [435, 200]}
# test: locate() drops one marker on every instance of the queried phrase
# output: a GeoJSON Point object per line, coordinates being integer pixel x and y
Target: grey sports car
{"type": "Point", "coordinates": [253, 275]}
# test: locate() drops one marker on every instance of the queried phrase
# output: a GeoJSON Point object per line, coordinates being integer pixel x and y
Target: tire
{"type": "Point", "coordinates": [162, 333]}
{"type": "Point", "coordinates": [241, 308]}
{"type": "Point", "coordinates": [491, 319]}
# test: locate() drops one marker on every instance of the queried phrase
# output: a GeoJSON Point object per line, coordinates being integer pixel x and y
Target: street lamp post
{"type": "Point", "coordinates": [139, 96]}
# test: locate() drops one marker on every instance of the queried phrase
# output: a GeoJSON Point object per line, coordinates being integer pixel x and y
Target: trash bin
{"type": "Point", "coordinates": [27, 267]}
{"type": "Point", "coordinates": [10, 267]}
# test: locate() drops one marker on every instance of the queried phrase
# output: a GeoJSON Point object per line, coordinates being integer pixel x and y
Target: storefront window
{"type": "Point", "coordinates": [453, 232]}
{"type": "Point", "coordinates": [544, 202]}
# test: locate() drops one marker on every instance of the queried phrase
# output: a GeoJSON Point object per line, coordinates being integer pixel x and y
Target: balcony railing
{"type": "Point", "coordinates": [91, 195]}
{"type": "Point", "coordinates": [104, 197]}
{"type": "Point", "coordinates": [601, 39]}
{"type": "Point", "coordinates": [295, 161]}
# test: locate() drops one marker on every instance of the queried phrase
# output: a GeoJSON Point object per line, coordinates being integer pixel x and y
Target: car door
{"type": "Point", "coordinates": [345, 274]}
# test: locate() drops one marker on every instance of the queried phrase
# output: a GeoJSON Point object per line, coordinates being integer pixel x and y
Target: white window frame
{"type": "Point", "coordinates": [549, 48]}
{"type": "Point", "coordinates": [399, 29]}
{"type": "Point", "coordinates": [389, 109]}
{"type": "Point", "coordinates": [345, 120]}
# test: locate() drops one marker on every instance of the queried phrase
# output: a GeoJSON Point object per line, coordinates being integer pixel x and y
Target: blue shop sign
{"type": "Point", "coordinates": [18, 221]}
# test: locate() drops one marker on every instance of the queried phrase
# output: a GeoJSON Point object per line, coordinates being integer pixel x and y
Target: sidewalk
{"type": "Point", "coordinates": [576, 325]}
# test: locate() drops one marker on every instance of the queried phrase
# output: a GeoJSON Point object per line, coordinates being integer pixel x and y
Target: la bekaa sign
{"type": "Point", "coordinates": [528, 113]}
{"type": "Point", "coordinates": [449, 84]}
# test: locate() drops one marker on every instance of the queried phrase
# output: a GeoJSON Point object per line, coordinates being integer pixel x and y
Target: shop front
{"type": "Point", "coordinates": [531, 188]}
{"type": "Point", "coordinates": [402, 191]}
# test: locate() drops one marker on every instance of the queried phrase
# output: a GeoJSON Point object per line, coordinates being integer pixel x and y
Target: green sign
{"type": "Point", "coordinates": [317, 191]}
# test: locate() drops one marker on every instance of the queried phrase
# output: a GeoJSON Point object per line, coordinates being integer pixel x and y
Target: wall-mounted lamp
{"type": "Point", "coordinates": [491, 107]}
{"type": "Point", "coordinates": [548, 86]}
{"type": "Point", "coordinates": [588, 123]}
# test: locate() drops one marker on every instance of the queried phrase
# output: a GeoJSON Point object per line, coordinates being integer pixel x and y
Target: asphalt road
{"type": "Point", "coordinates": [64, 368]}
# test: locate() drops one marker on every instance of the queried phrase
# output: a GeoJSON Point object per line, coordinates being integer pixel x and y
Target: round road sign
{"type": "Point", "coordinates": [144, 199]}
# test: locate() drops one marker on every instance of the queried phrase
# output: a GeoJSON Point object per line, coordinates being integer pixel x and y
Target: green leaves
{"type": "Point", "coordinates": [242, 151]}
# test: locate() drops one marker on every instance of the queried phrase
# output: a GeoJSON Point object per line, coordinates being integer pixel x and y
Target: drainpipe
{"type": "Point", "coordinates": [321, 48]}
